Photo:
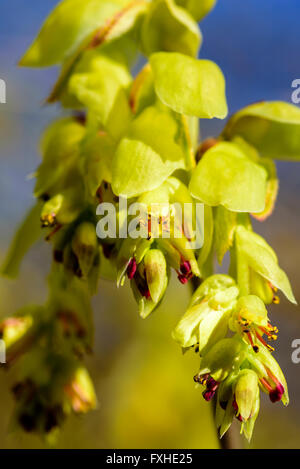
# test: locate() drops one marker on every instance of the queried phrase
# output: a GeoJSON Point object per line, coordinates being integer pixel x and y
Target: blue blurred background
{"type": "Point", "coordinates": [143, 383]}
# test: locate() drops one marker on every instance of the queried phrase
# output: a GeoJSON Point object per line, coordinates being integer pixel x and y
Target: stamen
{"type": "Point", "coordinates": [235, 406]}
{"type": "Point", "coordinates": [254, 346]}
{"type": "Point", "coordinates": [50, 235]}
{"type": "Point", "coordinates": [208, 395]}
{"type": "Point", "coordinates": [212, 385]}
{"type": "Point", "coordinates": [275, 380]}
{"type": "Point", "coordinates": [276, 394]}
{"type": "Point", "coordinates": [185, 268]}
{"type": "Point", "coordinates": [202, 379]}
{"type": "Point", "coordinates": [264, 342]}
{"type": "Point", "coordinates": [265, 384]}
{"type": "Point", "coordinates": [131, 268]}
{"type": "Point", "coordinates": [182, 279]}
{"type": "Point", "coordinates": [276, 300]}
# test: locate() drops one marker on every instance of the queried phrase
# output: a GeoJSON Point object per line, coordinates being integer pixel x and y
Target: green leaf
{"type": "Point", "coordinates": [225, 224]}
{"type": "Point", "coordinates": [27, 235]}
{"type": "Point", "coordinates": [189, 86]}
{"type": "Point", "coordinates": [148, 154]}
{"type": "Point", "coordinates": [197, 8]}
{"type": "Point", "coordinates": [68, 24]}
{"type": "Point", "coordinates": [225, 176]}
{"type": "Point", "coordinates": [170, 28]}
{"type": "Point", "coordinates": [272, 127]}
{"type": "Point", "coordinates": [261, 258]}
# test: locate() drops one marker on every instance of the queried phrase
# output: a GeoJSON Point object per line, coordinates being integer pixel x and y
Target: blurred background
{"type": "Point", "coordinates": [145, 389]}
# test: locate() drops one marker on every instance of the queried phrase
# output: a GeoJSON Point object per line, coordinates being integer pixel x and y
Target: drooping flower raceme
{"type": "Point", "coordinates": [132, 133]}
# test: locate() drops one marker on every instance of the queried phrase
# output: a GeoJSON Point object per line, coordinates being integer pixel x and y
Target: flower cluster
{"type": "Point", "coordinates": [232, 369]}
{"type": "Point", "coordinates": [132, 132]}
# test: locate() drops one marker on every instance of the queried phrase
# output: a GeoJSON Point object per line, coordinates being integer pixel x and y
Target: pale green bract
{"type": "Point", "coordinates": [69, 23]}
{"type": "Point", "coordinates": [225, 176]}
{"type": "Point", "coordinates": [147, 155]}
{"type": "Point", "coordinates": [272, 127]}
{"type": "Point", "coordinates": [225, 224]}
{"type": "Point", "coordinates": [168, 27]}
{"type": "Point", "coordinates": [260, 257]}
{"type": "Point", "coordinates": [189, 86]}
{"type": "Point", "coordinates": [102, 97]}
{"type": "Point", "coordinates": [198, 8]}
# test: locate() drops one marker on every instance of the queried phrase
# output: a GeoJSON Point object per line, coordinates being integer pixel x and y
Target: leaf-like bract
{"type": "Point", "coordinates": [189, 86]}
{"type": "Point", "coordinates": [272, 127]}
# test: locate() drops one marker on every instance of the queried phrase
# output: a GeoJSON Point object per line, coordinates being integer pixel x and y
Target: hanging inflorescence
{"type": "Point", "coordinates": [134, 135]}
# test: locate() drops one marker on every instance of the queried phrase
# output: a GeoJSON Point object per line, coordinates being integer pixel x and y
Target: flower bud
{"type": "Point", "coordinates": [13, 329]}
{"type": "Point", "coordinates": [80, 392]}
{"type": "Point", "coordinates": [142, 293]}
{"type": "Point", "coordinates": [246, 393]}
{"type": "Point", "coordinates": [20, 332]}
{"type": "Point", "coordinates": [130, 249]}
{"type": "Point", "coordinates": [206, 320]}
{"type": "Point", "coordinates": [63, 208]}
{"type": "Point", "coordinates": [84, 245]}
{"type": "Point", "coordinates": [156, 273]}
{"type": "Point", "coordinates": [248, 426]}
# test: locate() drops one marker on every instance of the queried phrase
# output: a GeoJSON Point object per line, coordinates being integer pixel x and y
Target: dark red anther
{"type": "Point", "coordinates": [131, 268]}
{"type": "Point", "coordinates": [212, 385]}
{"type": "Point", "coordinates": [147, 294]}
{"type": "Point", "coordinates": [208, 395]}
{"type": "Point", "coordinates": [277, 393]}
{"type": "Point", "coordinates": [235, 406]}
{"type": "Point", "coordinates": [185, 268]}
{"type": "Point", "coordinates": [182, 279]}
{"type": "Point", "coordinates": [280, 387]}
{"type": "Point", "coordinates": [201, 379]}
{"type": "Point", "coordinates": [144, 290]}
